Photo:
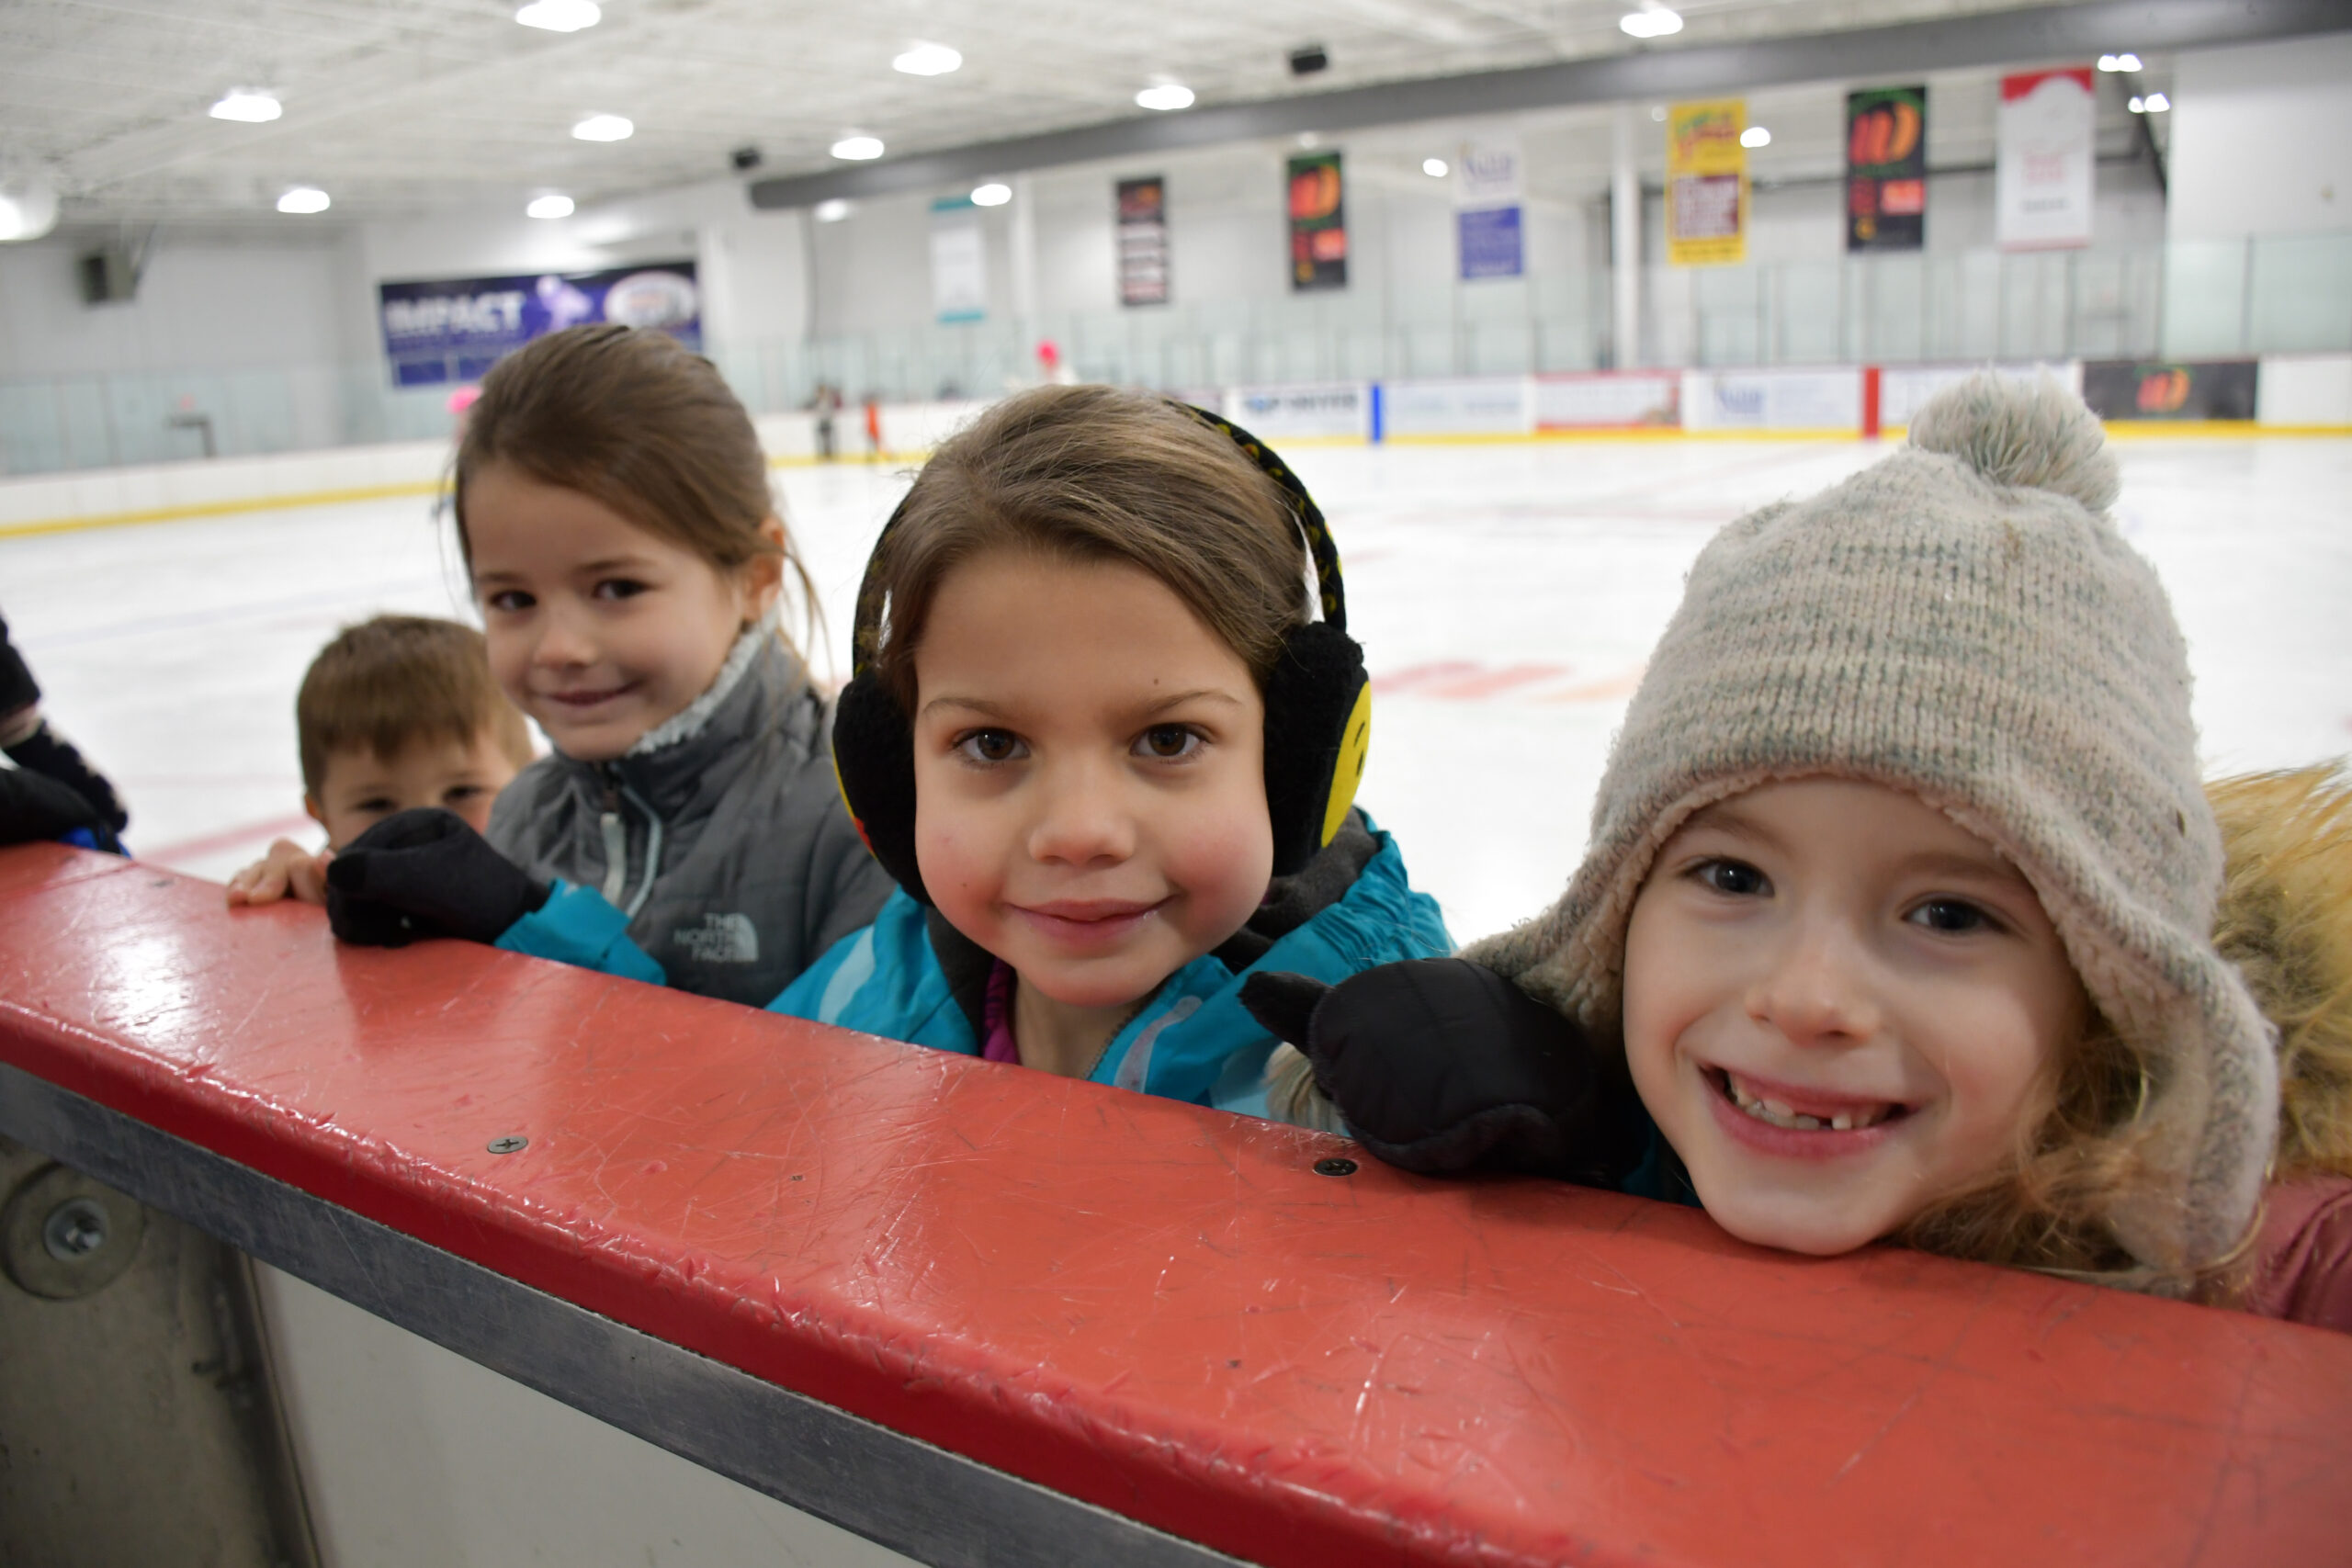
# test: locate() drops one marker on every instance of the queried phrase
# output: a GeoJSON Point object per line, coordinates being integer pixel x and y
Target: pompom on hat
{"type": "Point", "coordinates": [1962, 621]}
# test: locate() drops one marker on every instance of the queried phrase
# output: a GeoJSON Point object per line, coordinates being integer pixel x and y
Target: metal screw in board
{"type": "Point", "coordinates": [1335, 1166]}
{"type": "Point", "coordinates": [508, 1144]}
{"type": "Point", "coordinates": [74, 1230]}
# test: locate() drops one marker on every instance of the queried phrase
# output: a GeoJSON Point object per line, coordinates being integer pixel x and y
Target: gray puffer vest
{"type": "Point", "coordinates": [722, 834]}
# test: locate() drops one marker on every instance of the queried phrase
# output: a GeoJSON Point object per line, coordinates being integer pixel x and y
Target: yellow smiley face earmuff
{"type": "Point", "coordinates": [1319, 708]}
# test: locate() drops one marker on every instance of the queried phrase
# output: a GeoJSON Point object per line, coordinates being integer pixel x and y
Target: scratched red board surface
{"type": "Point", "coordinates": [1165, 1310]}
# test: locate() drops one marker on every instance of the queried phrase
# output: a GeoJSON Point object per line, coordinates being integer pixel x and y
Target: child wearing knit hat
{"type": "Point", "coordinates": [1898, 919]}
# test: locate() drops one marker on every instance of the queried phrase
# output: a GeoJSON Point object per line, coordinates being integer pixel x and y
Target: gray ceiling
{"type": "Point", "coordinates": [404, 106]}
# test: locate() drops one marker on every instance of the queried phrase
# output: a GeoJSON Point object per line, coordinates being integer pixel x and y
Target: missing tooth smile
{"type": "Point", "coordinates": [1844, 1117]}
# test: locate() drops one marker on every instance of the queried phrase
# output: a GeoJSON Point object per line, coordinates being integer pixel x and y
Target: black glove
{"type": "Point", "coordinates": [424, 873]}
{"type": "Point", "coordinates": [19, 690]}
{"type": "Point", "coordinates": [37, 809]}
{"type": "Point", "coordinates": [1439, 1065]}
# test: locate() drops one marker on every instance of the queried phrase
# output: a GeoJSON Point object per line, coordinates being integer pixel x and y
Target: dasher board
{"type": "Point", "coordinates": [982, 1315]}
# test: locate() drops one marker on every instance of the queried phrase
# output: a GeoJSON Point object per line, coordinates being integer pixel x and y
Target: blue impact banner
{"type": "Point", "coordinates": [453, 329]}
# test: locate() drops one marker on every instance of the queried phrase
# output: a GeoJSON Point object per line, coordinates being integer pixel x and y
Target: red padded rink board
{"type": "Point", "coordinates": [1164, 1310]}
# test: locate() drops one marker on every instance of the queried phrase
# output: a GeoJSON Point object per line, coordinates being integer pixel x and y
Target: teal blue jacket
{"type": "Point", "coordinates": [1194, 1040]}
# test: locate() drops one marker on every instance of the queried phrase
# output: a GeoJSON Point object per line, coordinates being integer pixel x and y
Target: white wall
{"type": "Point", "coordinates": [2262, 139]}
{"type": "Point", "coordinates": [210, 305]}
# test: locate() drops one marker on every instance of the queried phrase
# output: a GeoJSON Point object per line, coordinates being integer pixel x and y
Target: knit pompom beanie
{"type": "Point", "coordinates": [1962, 621]}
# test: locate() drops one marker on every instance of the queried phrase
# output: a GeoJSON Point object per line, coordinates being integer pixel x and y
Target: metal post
{"type": "Point", "coordinates": [1625, 244]}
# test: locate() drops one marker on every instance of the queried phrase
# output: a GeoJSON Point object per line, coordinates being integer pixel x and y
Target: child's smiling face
{"type": "Point", "coordinates": [1090, 782]}
{"type": "Point", "coordinates": [598, 628]}
{"type": "Point", "coordinates": [1839, 1007]}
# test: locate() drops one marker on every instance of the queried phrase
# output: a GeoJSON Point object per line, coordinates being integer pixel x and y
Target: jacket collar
{"type": "Point", "coordinates": [701, 747]}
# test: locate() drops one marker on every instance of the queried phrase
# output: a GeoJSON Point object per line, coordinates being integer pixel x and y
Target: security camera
{"type": "Point", "coordinates": [745, 159]}
{"type": "Point", "coordinates": [1307, 62]}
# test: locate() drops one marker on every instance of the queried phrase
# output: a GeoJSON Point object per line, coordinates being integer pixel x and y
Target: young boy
{"type": "Point", "coordinates": [396, 712]}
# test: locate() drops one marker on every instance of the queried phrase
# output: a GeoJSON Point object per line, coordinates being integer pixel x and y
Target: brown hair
{"type": "Point", "coordinates": [633, 419]}
{"type": "Point", "coordinates": [397, 679]}
{"type": "Point", "coordinates": [1098, 474]}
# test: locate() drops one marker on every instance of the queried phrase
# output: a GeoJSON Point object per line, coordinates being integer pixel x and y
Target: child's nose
{"type": "Point", "coordinates": [1817, 989]}
{"type": "Point", "coordinates": [562, 641]}
{"type": "Point", "coordinates": [1082, 817]}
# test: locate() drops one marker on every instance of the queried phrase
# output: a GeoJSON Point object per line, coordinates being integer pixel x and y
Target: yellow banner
{"type": "Point", "coordinates": [1706, 182]}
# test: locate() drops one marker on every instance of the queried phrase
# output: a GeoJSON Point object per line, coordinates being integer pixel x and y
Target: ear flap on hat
{"type": "Point", "coordinates": [873, 762]}
{"type": "Point", "coordinates": [1319, 725]}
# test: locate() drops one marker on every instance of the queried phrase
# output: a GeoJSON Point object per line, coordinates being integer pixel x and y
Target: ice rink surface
{"type": "Point", "coordinates": [1506, 595]}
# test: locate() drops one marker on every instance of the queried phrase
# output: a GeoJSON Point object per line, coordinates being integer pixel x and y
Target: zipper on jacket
{"type": "Point", "coordinates": [616, 835]}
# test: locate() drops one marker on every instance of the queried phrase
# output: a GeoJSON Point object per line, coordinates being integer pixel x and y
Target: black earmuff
{"type": "Point", "coordinates": [1319, 708]}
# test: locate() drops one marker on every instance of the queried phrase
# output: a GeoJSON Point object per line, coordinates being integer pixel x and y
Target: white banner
{"type": "Point", "coordinates": [2042, 172]}
{"type": "Point", "coordinates": [1494, 405]}
{"type": "Point", "coordinates": [1608, 399]}
{"type": "Point", "coordinates": [959, 260]}
{"type": "Point", "coordinates": [1278, 413]}
{"type": "Point", "coordinates": [1486, 194]}
{"type": "Point", "coordinates": [1772, 400]}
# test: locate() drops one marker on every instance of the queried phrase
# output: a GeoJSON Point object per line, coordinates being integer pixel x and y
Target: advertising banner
{"type": "Point", "coordinates": [2176, 389]}
{"type": "Point", "coordinates": [1772, 400]}
{"type": "Point", "coordinates": [1486, 194]}
{"type": "Point", "coordinates": [1143, 241]}
{"type": "Point", "coordinates": [1886, 169]}
{"type": "Point", "coordinates": [2043, 160]}
{"type": "Point", "coordinates": [1706, 184]}
{"type": "Point", "coordinates": [959, 260]}
{"type": "Point", "coordinates": [1286, 413]}
{"type": "Point", "coordinates": [1319, 224]}
{"type": "Point", "coordinates": [453, 329]}
{"type": "Point", "coordinates": [1608, 399]}
{"type": "Point", "coordinates": [1482, 405]}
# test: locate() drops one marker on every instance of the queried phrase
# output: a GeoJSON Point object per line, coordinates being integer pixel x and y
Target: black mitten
{"type": "Point", "coordinates": [19, 690]}
{"type": "Point", "coordinates": [424, 873]}
{"type": "Point", "coordinates": [37, 809]}
{"type": "Point", "coordinates": [1441, 1065]}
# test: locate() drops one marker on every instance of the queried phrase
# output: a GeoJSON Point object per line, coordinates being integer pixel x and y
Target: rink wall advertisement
{"type": "Point", "coordinates": [1313, 410]}
{"type": "Point", "coordinates": [1319, 224]}
{"type": "Point", "coordinates": [2042, 162]}
{"type": "Point", "coordinates": [2173, 389]}
{"type": "Point", "coordinates": [1487, 197]}
{"type": "Point", "coordinates": [452, 329]}
{"type": "Point", "coordinates": [1143, 241]}
{"type": "Point", "coordinates": [1886, 169]}
{"type": "Point", "coordinates": [1608, 399]}
{"type": "Point", "coordinates": [1706, 182]}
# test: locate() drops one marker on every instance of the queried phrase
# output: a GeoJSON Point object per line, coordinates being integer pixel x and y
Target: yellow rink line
{"type": "Point", "coordinates": [2132, 429]}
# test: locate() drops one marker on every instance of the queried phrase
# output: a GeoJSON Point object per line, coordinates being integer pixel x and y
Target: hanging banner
{"type": "Point", "coordinates": [2041, 167]}
{"type": "Point", "coordinates": [959, 260]}
{"type": "Point", "coordinates": [1319, 224]}
{"type": "Point", "coordinates": [1706, 184]}
{"type": "Point", "coordinates": [1486, 194]}
{"type": "Point", "coordinates": [1142, 242]}
{"type": "Point", "coordinates": [1886, 169]}
{"type": "Point", "coordinates": [453, 329]}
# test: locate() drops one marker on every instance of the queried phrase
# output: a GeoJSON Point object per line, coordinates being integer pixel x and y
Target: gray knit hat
{"type": "Point", "coordinates": [1962, 621]}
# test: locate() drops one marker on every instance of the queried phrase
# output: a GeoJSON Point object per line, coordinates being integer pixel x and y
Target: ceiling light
{"type": "Point", "coordinates": [1756, 136]}
{"type": "Point", "coordinates": [1435, 168]}
{"type": "Point", "coordinates": [2138, 106]}
{"type": "Point", "coordinates": [927, 59]}
{"type": "Point", "coordinates": [250, 105]}
{"type": "Point", "coordinates": [2119, 62]}
{"type": "Point", "coordinates": [1164, 95]}
{"type": "Point", "coordinates": [832, 211]}
{"type": "Point", "coordinates": [559, 15]}
{"type": "Point", "coordinates": [604, 128]}
{"type": "Point", "coordinates": [992, 195]}
{"type": "Point", "coordinates": [2158, 103]}
{"type": "Point", "coordinates": [549, 206]}
{"type": "Point", "coordinates": [304, 198]}
{"type": "Point", "coordinates": [28, 208]}
{"type": "Point", "coordinates": [1651, 20]}
{"type": "Point", "coordinates": [857, 149]}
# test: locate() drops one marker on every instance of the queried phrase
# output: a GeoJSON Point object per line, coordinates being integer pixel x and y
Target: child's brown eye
{"type": "Point", "coordinates": [990, 745]}
{"type": "Point", "coordinates": [1170, 741]}
{"type": "Point", "coordinates": [1954, 916]}
{"type": "Point", "coordinates": [1734, 877]}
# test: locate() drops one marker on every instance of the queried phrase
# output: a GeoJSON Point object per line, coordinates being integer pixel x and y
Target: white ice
{"type": "Point", "coordinates": [1506, 597]}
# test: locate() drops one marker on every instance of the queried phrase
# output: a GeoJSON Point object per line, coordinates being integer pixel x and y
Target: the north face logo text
{"type": "Point", "coordinates": [720, 939]}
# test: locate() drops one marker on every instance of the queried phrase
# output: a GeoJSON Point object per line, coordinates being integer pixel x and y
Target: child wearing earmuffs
{"type": "Point", "coordinates": [1106, 754]}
